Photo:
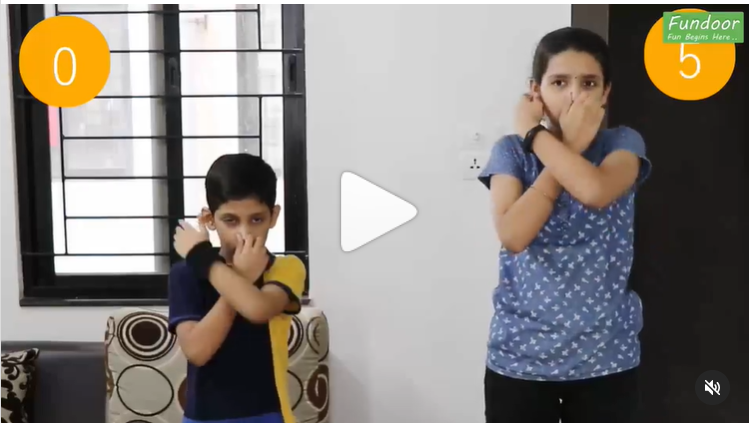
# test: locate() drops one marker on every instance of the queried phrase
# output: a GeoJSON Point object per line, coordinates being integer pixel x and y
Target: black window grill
{"type": "Point", "coordinates": [101, 186]}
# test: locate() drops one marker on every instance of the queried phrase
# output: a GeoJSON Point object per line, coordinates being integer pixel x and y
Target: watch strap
{"type": "Point", "coordinates": [202, 257]}
{"type": "Point", "coordinates": [531, 136]}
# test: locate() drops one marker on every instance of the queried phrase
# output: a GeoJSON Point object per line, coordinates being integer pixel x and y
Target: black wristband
{"type": "Point", "coordinates": [531, 136]}
{"type": "Point", "coordinates": [201, 258]}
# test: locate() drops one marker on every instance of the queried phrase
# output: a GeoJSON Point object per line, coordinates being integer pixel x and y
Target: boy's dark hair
{"type": "Point", "coordinates": [239, 177]}
{"type": "Point", "coordinates": [576, 39]}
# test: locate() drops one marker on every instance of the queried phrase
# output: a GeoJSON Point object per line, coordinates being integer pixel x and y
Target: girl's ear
{"type": "Point", "coordinates": [606, 92]}
{"type": "Point", "coordinates": [534, 87]}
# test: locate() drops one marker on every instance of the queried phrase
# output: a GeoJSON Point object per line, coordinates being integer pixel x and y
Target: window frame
{"type": "Point", "coordinates": [41, 285]}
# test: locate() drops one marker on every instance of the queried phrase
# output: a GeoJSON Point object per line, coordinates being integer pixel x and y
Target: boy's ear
{"type": "Point", "coordinates": [274, 213]}
{"type": "Point", "coordinates": [206, 218]}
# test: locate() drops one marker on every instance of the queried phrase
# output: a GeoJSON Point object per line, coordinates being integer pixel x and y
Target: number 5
{"type": "Point", "coordinates": [684, 57]}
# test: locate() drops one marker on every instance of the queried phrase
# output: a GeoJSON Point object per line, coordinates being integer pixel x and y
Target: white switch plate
{"type": "Point", "coordinates": [472, 162]}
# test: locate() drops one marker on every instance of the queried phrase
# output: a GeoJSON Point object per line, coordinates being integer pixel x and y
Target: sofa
{"type": "Point", "coordinates": [137, 373]}
{"type": "Point", "coordinates": [68, 382]}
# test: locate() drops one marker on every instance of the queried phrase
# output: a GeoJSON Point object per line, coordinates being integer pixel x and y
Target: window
{"type": "Point", "coordinates": [102, 186]}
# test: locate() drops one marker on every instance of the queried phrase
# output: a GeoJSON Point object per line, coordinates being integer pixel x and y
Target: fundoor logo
{"type": "Point", "coordinates": [703, 27]}
{"type": "Point", "coordinates": [690, 54]}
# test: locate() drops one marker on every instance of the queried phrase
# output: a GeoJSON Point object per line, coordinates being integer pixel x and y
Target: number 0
{"type": "Point", "coordinates": [56, 66]}
{"type": "Point", "coordinates": [683, 57]}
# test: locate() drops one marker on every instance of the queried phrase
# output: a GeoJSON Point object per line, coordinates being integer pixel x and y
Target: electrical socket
{"type": "Point", "coordinates": [472, 163]}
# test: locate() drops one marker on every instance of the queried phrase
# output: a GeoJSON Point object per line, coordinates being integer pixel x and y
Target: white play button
{"type": "Point", "coordinates": [369, 212]}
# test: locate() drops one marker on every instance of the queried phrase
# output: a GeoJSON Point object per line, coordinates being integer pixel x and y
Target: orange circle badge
{"type": "Point", "coordinates": [64, 61]}
{"type": "Point", "coordinates": [687, 71]}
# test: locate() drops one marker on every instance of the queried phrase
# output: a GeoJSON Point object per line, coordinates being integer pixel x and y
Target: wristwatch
{"type": "Point", "coordinates": [531, 136]}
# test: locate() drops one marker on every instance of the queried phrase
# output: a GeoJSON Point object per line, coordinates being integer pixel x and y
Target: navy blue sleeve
{"type": "Point", "coordinates": [185, 302]}
{"type": "Point", "coordinates": [507, 158]}
{"type": "Point", "coordinates": [627, 139]}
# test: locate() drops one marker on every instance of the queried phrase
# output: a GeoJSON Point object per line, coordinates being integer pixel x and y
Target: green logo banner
{"type": "Point", "coordinates": [703, 27]}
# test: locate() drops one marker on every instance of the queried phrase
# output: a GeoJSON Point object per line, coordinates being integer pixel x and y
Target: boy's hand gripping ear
{"type": "Point", "coordinates": [187, 236]}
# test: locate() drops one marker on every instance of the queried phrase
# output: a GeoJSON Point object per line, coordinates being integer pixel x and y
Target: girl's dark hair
{"type": "Point", "coordinates": [577, 39]}
{"type": "Point", "coordinates": [241, 176]}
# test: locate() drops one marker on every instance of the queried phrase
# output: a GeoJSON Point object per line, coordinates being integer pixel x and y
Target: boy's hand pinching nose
{"type": "Point", "coordinates": [250, 256]}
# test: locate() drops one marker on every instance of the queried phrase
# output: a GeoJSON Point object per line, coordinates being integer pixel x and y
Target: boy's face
{"type": "Point", "coordinates": [246, 217]}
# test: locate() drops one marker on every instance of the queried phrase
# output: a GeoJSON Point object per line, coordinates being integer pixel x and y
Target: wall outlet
{"type": "Point", "coordinates": [472, 163]}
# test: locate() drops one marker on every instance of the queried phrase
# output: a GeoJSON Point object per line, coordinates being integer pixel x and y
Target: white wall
{"type": "Point", "coordinates": [393, 92]}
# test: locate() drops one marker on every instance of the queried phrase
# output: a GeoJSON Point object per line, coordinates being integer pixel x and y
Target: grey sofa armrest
{"type": "Point", "coordinates": [69, 383]}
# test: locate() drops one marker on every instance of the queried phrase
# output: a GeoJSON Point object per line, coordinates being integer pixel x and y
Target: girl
{"type": "Point", "coordinates": [564, 337]}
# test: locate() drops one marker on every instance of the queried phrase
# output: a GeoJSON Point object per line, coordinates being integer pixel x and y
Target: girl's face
{"type": "Point", "coordinates": [568, 74]}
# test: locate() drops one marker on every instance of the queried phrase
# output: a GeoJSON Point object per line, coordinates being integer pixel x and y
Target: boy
{"type": "Point", "coordinates": [231, 307]}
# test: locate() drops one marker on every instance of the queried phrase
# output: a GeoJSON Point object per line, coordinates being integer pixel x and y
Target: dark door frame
{"type": "Point", "coordinates": [596, 18]}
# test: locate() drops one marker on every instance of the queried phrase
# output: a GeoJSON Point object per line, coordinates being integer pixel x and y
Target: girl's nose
{"type": "Point", "coordinates": [575, 93]}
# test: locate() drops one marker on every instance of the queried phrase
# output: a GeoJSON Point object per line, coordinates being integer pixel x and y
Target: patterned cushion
{"type": "Point", "coordinates": [17, 383]}
{"type": "Point", "coordinates": [308, 366]}
{"type": "Point", "coordinates": [146, 369]}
